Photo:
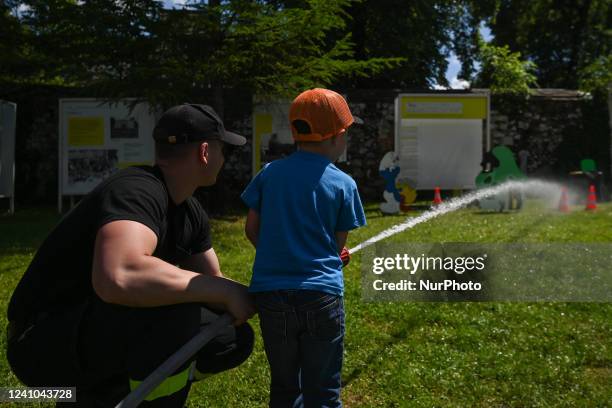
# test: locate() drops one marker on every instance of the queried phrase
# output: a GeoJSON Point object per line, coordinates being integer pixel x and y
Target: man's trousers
{"type": "Point", "coordinates": [106, 350]}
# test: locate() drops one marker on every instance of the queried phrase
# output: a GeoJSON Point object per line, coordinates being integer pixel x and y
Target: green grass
{"type": "Point", "coordinates": [417, 354]}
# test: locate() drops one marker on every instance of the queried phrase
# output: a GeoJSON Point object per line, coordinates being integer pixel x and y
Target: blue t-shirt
{"type": "Point", "coordinates": [302, 201]}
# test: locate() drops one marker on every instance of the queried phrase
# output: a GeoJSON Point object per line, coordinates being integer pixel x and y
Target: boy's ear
{"type": "Point", "coordinates": [203, 151]}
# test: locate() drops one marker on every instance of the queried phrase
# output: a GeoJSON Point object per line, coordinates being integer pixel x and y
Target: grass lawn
{"type": "Point", "coordinates": [415, 354]}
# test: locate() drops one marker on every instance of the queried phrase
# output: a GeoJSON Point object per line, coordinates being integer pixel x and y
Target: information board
{"type": "Point", "coordinates": [8, 120]}
{"type": "Point", "coordinates": [272, 137]}
{"type": "Point", "coordinates": [96, 138]}
{"type": "Point", "coordinates": [440, 139]}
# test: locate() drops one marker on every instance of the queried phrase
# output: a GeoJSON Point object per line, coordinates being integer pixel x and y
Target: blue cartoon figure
{"type": "Point", "coordinates": [389, 169]}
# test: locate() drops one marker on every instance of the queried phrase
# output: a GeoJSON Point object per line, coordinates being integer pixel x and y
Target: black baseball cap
{"type": "Point", "coordinates": [192, 122]}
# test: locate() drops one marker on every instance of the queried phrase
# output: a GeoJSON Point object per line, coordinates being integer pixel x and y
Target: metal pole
{"type": "Point", "coordinates": [488, 121]}
{"type": "Point", "coordinates": [13, 172]}
{"type": "Point", "coordinates": [60, 148]}
{"type": "Point", "coordinates": [174, 362]}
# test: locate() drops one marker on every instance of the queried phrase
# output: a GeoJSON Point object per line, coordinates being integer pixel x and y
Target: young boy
{"type": "Point", "coordinates": [300, 211]}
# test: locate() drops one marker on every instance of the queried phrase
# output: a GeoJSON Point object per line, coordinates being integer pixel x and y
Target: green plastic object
{"type": "Point", "coordinates": [502, 167]}
{"type": "Point", "coordinates": [506, 169]}
{"type": "Point", "coordinates": [588, 166]}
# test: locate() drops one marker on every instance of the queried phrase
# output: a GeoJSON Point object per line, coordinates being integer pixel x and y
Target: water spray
{"type": "Point", "coordinates": [536, 187]}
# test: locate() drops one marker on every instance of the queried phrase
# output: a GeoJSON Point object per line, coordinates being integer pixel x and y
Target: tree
{"type": "Point", "coordinates": [421, 32]}
{"type": "Point", "coordinates": [469, 19]}
{"type": "Point", "coordinates": [503, 71]}
{"type": "Point", "coordinates": [424, 33]}
{"type": "Point", "coordinates": [18, 60]}
{"type": "Point", "coordinates": [270, 50]}
{"type": "Point", "coordinates": [122, 49]}
{"type": "Point", "coordinates": [562, 37]}
{"type": "Point", "coordinates": [597, 77]}
{"type": "Point", "coordinates": [84, 43]}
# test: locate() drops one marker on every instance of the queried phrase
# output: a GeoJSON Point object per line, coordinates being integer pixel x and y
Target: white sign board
{"type": "Point", "coordinates": [97, 138]}
{"type": "Point", "coordinates": [440, 138]}
{"type": "Point", "coordinates": [445, 154]}
{"type": "Point", "coordinates": [8, 120]}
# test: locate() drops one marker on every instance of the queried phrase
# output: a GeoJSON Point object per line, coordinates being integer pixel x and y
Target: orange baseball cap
{"type": "Point", "coordinates": [325, 111]}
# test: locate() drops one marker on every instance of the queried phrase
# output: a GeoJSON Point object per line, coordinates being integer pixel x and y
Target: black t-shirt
{"type": "Point", "coordinates": [59, 276]}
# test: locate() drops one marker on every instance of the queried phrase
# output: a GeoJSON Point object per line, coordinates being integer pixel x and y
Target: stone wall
{"type": "Point", "coordinates": [556, 127]}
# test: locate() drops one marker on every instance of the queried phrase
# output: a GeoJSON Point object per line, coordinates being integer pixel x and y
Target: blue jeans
{"type": "Point", "coordinates": [303, 333]}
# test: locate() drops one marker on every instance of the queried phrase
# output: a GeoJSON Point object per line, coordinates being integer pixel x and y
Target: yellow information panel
{"type": "Point", "coordinates": [263, 125]}
{"type": "Point", "coordinates": [443, 107]}
{"type": "Point", "coordinates": [97, 138]}
{"type": "Point", "coordinates": [86, 131]}
{"type": "Point", "coordinates": [123, 165]}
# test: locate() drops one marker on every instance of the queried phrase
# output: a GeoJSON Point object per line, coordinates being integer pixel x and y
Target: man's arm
{"type": "Point", "coordinates": [251, 228]}
{"type": "Point", "coordinates": [205, 263]}
{"type": "Point", "coordinates": [125, 272]}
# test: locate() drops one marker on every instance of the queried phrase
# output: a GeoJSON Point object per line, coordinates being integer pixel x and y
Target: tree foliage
{"type": "Point", "coordinates": [137, 48]}
{"type": "Point", "coordinates": [562, 37]}
{"type": "Point", "coordinates": [277, 47]}
{"type": "Point", "coordinates": [597, 76]}
{"type": "Point", "coordinates": [18, 59]}
{"type": "Point", "coordinates": [422, 32]}
{"type": "Point", "coordinates": [503, 71]}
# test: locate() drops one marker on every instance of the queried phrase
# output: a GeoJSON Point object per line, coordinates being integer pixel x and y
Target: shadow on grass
{"type": "Point", "coordinates": [22, 233]}
{"type": "Point", "coordinates": [401, 332]}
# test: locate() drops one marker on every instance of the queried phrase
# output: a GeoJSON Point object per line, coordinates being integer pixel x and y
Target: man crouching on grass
{"type": "Point", "coordinates": [102, 304]}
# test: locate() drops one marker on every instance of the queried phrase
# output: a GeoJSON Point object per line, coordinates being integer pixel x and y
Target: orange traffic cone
{"type": "Point", "coordinates": [437, 198]}
{"type": "Point", "coordinates": [591, 199]}
{"type": "Point", "coordinates": [563, 205]}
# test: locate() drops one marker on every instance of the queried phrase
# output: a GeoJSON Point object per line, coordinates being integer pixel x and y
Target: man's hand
{"type": "Point", "coordinates": [239, 303]}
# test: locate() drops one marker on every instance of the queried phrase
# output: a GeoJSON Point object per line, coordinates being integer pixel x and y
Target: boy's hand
{"type": "Point", "coordinates": [345, 256]}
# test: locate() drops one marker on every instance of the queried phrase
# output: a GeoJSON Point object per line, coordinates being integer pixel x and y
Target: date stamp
{"type": "Point", "coordinates": [34, 394]}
